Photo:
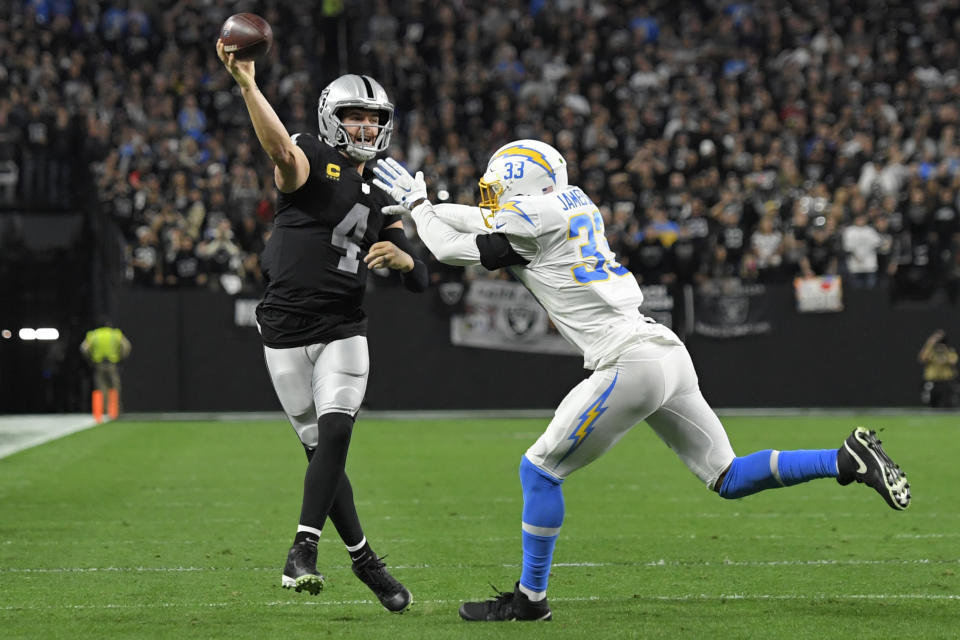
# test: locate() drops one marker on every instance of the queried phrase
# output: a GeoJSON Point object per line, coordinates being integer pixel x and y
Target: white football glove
{"type": "Point", "coordinates": [395, 210]}
{"type": "Point", "coordinates": [397, 181]}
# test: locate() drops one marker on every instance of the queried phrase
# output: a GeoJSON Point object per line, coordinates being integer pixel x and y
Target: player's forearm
{"type": "Point", "coordinates": [270, 131]}
{"type": "Point", "coordinates": [414, 273]}
{"type": "Point", "coordinates": [446, 243]}
{"type": "Point", "coordinates": [461, 217]}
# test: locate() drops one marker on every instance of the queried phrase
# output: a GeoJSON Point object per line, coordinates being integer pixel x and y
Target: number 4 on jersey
{"type": "Point", "coordinates": [592, 249]}
{"type": "Point", "coordinates": [355, 221]}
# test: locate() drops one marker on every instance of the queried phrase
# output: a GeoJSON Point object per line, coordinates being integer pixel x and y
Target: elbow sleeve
{"type": "Point", "coordinates": [417, 278]}
{"type": "Point", "coordinates": [496, 252]}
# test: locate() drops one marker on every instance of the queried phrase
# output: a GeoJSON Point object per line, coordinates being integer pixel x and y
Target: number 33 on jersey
{"type": "Point", "coordinates": [572, 271]}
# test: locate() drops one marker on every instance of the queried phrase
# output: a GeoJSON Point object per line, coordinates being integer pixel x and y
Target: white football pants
{"type": "Point", "coordinates": [653, 382]}
{"type": "Point", "coordinates": [317, 379]}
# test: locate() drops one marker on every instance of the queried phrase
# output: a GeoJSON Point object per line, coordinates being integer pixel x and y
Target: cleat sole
{"type": "Point", "coordinates": [896, 489]}
{"type": "Point", "coordinates": [310, 583]}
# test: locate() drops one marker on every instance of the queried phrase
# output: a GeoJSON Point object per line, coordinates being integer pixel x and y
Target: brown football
{"type": "Point", "coordinates": [246, 35]}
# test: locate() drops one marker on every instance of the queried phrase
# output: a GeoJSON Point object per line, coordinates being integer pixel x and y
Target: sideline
{"type": "Point", "coordinates": [19, 432]}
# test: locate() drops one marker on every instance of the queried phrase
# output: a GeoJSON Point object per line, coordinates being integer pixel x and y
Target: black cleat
{"type": "Point", "coordinates": [861, 458]}
{"type": "Point", "coordinates": [507, 605]}
{"type": "Point", "coordinates": [373, 572]}
{"type": "Point", "coordinates": [300, 572]}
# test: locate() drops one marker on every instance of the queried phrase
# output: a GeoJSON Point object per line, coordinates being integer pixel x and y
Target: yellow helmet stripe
{"type": "Point", "coordinates": [532, 155]}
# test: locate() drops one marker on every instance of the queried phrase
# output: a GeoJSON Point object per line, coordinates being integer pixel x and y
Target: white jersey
{"type": "Point", "coordinates": [592, 299]}
{"type": "Point", "coordinates": [642, 371]}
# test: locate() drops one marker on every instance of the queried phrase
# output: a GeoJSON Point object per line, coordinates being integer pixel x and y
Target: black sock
{"type": "Point", "coordinates": [306, 536]}
{"type": "Point", "coordinates": [362, 552]}
{"type": "Point", "coordinates": [309, 451]}
{"type": "Point", "coordinates": [322, 479]}
{"type": "Point", "coordinates": [343, 514]}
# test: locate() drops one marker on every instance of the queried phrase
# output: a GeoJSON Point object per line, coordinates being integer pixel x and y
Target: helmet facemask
{"type": "Point", "coordinates": [489, 199]}
{"type": "Point", "coordinates": [362, 149]}
{"type": "Point", "coordinates": [520, 168]}
{"type": "Point", "coordinates": [360, 92]}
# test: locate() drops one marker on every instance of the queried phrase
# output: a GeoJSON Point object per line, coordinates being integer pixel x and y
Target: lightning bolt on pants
{"type": "Point", "coordinates": [652, 382]}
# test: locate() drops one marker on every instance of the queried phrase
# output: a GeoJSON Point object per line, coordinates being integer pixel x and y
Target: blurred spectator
{"type": "Point", "coordinates": [145, 259]}
{"type": "Point", "coordinates": [681, 108]}
{"type": "Point", "coordinates": [717, 266]}
{"type": "Point", "coordinates": [686, 256]}
{"type": "Point", "coordinates": [35, 154]}
{"type": "Point", "coordinates": [183, 267]}
{"type": "Point", "coordinates": [823, 252]}
{"type": "Point", "coordinates": [220, 254]}
{"type": "Point", "coordinates": [650, 259]}
{"type": "Point", "coordinates": [10, 136]}
{"type": "Point", "coordinates": [860, 244]}
{"type": "Point", "coordinates": [767, 245]}
{"type": "Point", "coordinates": [939, 361]}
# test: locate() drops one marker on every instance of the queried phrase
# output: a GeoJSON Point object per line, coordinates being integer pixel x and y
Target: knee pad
{"type": "Point", "coordinates": [341, 392]}
{"type": "Point", "coordinates": [294, 393]}
{"type": "Point", "coordinates": [306, 427]}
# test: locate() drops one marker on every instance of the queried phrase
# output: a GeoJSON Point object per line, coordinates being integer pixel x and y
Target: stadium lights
{"type": "Point", "coordinates": [7, 334]}
{"type": "Point", "coordinates": [46, 333]}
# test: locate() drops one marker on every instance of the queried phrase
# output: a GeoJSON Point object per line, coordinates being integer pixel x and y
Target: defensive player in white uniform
{"type": "Point", "coordinates": [551, 237]}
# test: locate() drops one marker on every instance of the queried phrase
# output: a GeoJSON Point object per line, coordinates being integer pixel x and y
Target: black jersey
{"type": "Point", "coordinates": [313, 263]}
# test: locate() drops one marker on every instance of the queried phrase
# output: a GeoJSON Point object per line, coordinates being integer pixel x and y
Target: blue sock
{"type": "Point", "coordinates": [770, 469]}
{"type": "Point", "coordinates": [802, 465]}
{"type": "Point", "coordinates": [542, 517]}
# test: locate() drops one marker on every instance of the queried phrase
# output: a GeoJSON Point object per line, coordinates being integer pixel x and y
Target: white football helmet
{"type": "Point", "coordinates": [354, 91]}
{"type": "Point", "coordinates": [521, 168]}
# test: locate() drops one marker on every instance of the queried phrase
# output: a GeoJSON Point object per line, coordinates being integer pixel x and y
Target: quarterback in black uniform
{"type": "Point", "coordinates": [328, 231]}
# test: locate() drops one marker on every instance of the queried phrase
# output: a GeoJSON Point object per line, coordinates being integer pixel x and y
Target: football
{"type": "Point", "coordinates": [246, 35]}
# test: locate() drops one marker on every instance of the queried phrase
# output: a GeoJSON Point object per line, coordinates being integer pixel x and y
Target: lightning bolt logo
{"type": "Point", "coordinates": [531, 155]}
{"type": "Point", "coordinates": [511, 207]}
{"type": "Point", "coordinates": [588, 420]}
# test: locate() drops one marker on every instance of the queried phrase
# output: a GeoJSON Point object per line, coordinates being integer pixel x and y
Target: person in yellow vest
{"type": "Point", "coordinates": [939, 362]}
{"type": "Point", "coordinates": [105, 348]}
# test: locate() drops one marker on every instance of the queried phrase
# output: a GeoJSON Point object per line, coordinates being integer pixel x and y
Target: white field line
{"type": "Point", "coordinates": [19, 432]}
{"type": "Point", "coordinates": [333, 603]}
{"type": "Point", "coordinates": [390, 541]}
{"type": "Point", "coordinates": [649, 564]}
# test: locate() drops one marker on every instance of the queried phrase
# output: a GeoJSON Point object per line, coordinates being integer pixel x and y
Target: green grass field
{"type": "Point", "coordinates": [180, 530]}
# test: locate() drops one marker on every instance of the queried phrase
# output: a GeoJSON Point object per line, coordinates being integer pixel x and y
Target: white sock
{"type": "Point", "coordinates": [533, 596]}
{"type": "Point", "coordinates": [301, 527]}
{"type": "Point", "coordinates": [357, 546]}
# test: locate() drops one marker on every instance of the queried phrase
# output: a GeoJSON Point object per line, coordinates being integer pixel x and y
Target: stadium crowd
{"type": "Point", "coordinates": [757, 140]}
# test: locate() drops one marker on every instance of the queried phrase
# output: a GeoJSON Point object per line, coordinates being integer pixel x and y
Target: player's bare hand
{"type": "Point", "coordinates": [386, 254]}
{"type": "Point", "coordinates": [241, 70]}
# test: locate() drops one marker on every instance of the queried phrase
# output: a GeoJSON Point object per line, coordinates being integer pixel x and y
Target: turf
{"type": "Point", "coordinates": [180, 529]}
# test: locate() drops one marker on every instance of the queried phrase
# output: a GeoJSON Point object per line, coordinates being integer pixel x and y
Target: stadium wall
{"type": "Point", "coordinates": [190, 355]}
